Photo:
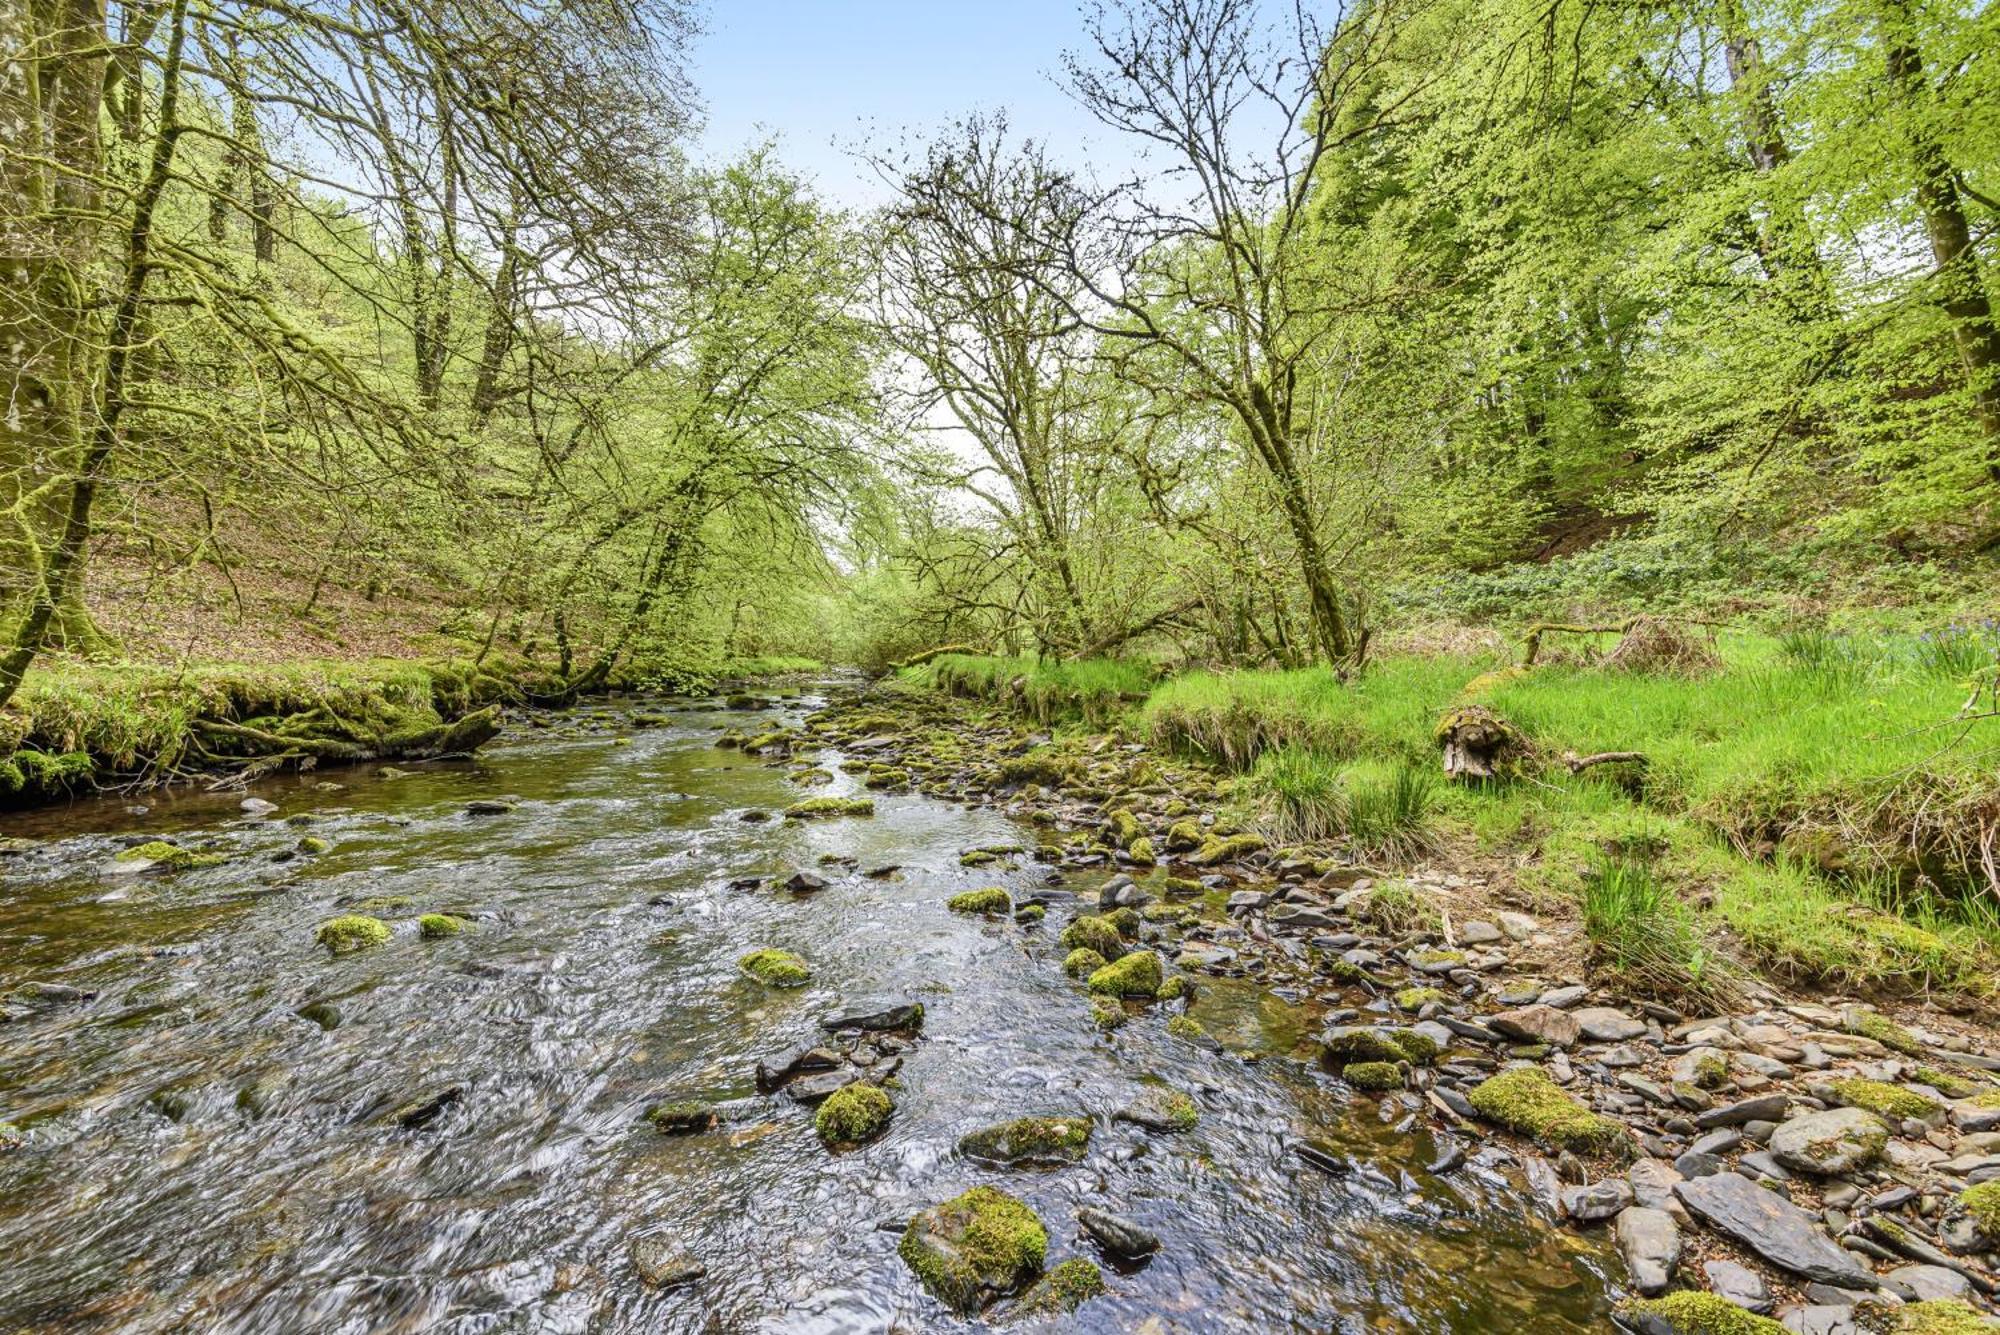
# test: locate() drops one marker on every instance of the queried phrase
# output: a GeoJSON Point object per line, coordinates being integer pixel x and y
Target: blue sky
{"type": "Point", "coordinates": [823, 75]}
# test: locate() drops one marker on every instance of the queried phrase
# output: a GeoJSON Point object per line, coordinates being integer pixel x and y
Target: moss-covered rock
{"type": "Point", "coordinates": [775, 968]}
{"type": "Point", "coordinates": [1692, 1313]}
{"type": "Point", "coordinates": [1216, 849]}
{"type": "Point", "coordinates": [1107, 1014]}
{"type": "Point", "coordinates": [1186, 1026]}
{"type": "Point", "coordinates": [1948, 1083]}
{"type": "Point", "coordinates": [1064, 1289]}
{"type": "Point", "coordinates": [1417, 1049]}
{"type": "Point", "coordinates": [814, 808]}
{"type": "Point", "coordinates": [1125, 921]}
{"type": "Point", "coordinates": [685, 1117]}
{"type": "Point", "coordinates": [992, 901]}
{"type": "Point", "coordinates": [1941, 1316]}
{"type": "Point", "coordinates": [1141, 852]}
{"type": "Point", "coordinates": [853, 1115]}
{"type": "Point", "coordinates": [1082, 962]}
{"type": "Point", "coordinates": [312, 844]}
{"type": "Point", "coordinates": [1030, 914]}
{"type": "Point", "coordinates": [159, 855]}
{"type": "Point", "coordinates": [1090, 932]}
{"type": "Point", "coordinates": [1135, 975]}
{"type": "Point", "coordinates": [980, 1246]}
{"type": "Point", "coordinates": [1183, 836]}
{"type": "Point", "coordinates": [435, 926]}
{"type": "Point", "coordinates": [351, 932]}
{"type": "Point", "coordinates": [1374, 1076]}
{"type": "Point", "coordinates": [1030, 1142]}
{"type": "Point", "coordinates": [1416, 998]}
{"type": "Point", "coordinates": [1886, 1100]}
{"type": "Point", "coordinates": [1875, 1025]}
{"type": "Point", "coordinates": [1981, 1204]}
{"type": "Point", "coordinates": [1348, 1044]}
{"type": "Point", "coordinates": [1525, 1101]}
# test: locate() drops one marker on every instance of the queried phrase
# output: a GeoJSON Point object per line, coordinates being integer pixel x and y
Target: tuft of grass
{"type": "Point", "coordinates": [1302, 795]}
{"type": "Point", "coordinates": [1640, 928]}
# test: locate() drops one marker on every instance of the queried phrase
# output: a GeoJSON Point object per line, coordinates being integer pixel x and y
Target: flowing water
{"type": "Point", "coordinates": [201, 1158]}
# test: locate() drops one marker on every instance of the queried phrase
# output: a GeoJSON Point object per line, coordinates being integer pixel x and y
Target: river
{"type": "Point", "coordinates": [199, 1157]}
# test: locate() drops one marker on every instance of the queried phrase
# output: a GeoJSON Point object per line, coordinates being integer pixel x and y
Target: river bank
{"type": "Point", "coordinates": [1801, 1154]}
{"type": "Point", "coordinates": [77, 727]}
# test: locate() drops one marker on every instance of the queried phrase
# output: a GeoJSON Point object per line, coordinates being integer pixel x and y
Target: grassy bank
{"type": "Point", "coordinates": [74, 724]}
{"type": "Point", "coordinates": [1814, 795]}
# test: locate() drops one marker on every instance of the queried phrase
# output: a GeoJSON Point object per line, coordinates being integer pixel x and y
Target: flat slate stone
{"type": "Point", "coordinates": [876, 1014]}
{"type": "Point", "coordinates": [1603, 1024]}
{"type": "Point", "coordinates": [1774, 1228]}
{"type": "Point", "coordinates": [1830, 1143]}
{"type": "Point", "coordinates": [1763, 1108]}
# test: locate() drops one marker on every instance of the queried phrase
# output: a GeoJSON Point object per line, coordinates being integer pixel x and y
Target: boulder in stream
{"type": "Point", "coordinates": [1029, 1142]}
{"type": "Point", "coordinates": [974, 1248]}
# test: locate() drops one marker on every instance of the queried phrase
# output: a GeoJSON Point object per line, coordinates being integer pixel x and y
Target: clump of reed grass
{"type": "Point", "coordinates": [1383, 809]}
{"type": "Point", "coordinates": [1641, 930]}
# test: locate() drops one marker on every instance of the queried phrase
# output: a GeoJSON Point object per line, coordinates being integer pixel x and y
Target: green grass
{"type": "Point", "coordinates": [1092, 691]}
{"type": "Point", "coordinates": [1815, 797]}
{"type": "Point", "coordinates": [1383, 809]}
{"type": "Point", "coordinates": [1641, 930]}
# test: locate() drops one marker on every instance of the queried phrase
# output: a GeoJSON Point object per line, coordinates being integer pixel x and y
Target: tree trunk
{"type": "Point", "coordinates": [1785, 236]}
{"type": "Point", "coordinates": [64, 570]}
{"type": "Point", "coordinates": [1962, 294]}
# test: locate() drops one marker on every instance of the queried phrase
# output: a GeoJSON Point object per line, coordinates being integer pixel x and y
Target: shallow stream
{"type": "Point", "coordinates": [201, 1158]}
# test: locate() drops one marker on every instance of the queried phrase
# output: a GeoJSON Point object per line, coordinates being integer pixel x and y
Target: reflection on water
{"type": "Point", "coordinates": [201, 1157]}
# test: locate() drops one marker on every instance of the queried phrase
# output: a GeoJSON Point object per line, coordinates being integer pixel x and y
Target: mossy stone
{"type": "Point", "coordinates": [1981, 1204]}
{"type": "Point", "coordinates": [164, 856]}
{"type": "Point", "coordinates": [1694, 1313]}
{"type": "Point", "coordinates": [816, 807]}
{"type": "Point", "coordinates": [853, 1115]}
{"type": "Point", "coordinates": [977, 1247]}
{"type": "Point", "coordinates": [435, 926]}
{"type": "Point", "coordinates": [1135, 975]}
{"type": "Point", "coordinates": [1064, 1289]}
{"type": "Point", "coordinates": [1030, 1142]}
{"type": "Point", "coordinates": [1090, 932]}
{"type": "Point", "coordinates": [775, 968]}
{"type": "Point", "coordinates": [1942, 1316]}
{"type": "Point", "coordinates": [1186, 1026]}
{"type": "Point", "coordinates": [351, 932]}
{"type": "Point", "coordinates": [1416, 998]}
{"type": "Point", "coordinates": [1125, 921]}
{"type": "Point", "coordinates": [1875, 1025]}
{"type": "Point", "coordinates": [1082, 962]}
{"type": "Point", "coordinates": [1886, 1100]}
{"type": "Point", "coordinates": [1374, 1076]}
{"type": "Point", "coordinates": [992, 901]}
{"type": "Point", "coordinates": [1525, 1101]}
{"type": "Point", "coordinates": [684, 1118]}
{"type": "Point", "coordinates": [312, 843]}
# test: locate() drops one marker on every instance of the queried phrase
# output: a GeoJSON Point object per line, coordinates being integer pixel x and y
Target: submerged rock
{"type": "Point", "coordinates": [1161, 1109]}
{"type": "Point", "coordinates": [418, 1114]}
{"type": "Point", "coordinates": [970, 1250]}
{"type": "Point", "coordinates": [686, 1117]}
{"type": "Point", "coordinates": [876, 1016]}
{"type": "Point", "coordinates": [663, 1262]}
{"type": "Point", "coordinates": [1029, 1142]}
{"type": "Point", "coordinates": [1121, 1238]}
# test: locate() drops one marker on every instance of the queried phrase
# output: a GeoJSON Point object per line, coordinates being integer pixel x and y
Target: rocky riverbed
{"type": "Point", "coordinates": [764, 1013]}
{"type": "Point", "coordinates": [1816, 1161]}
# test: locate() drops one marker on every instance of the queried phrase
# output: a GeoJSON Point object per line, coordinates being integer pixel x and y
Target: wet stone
{"type": "Point", "coordinates": [876, 1014]}
{"type": "Point", "coordinates": [1737, 1283]}
{"type": "Point", "coordinates": [1121, 1238]}
{"type": "Point", "coordinates": [662, 1262]}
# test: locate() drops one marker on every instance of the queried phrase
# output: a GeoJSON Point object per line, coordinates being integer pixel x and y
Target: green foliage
{"type": "Point", "coordinates": [1652, 941]}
